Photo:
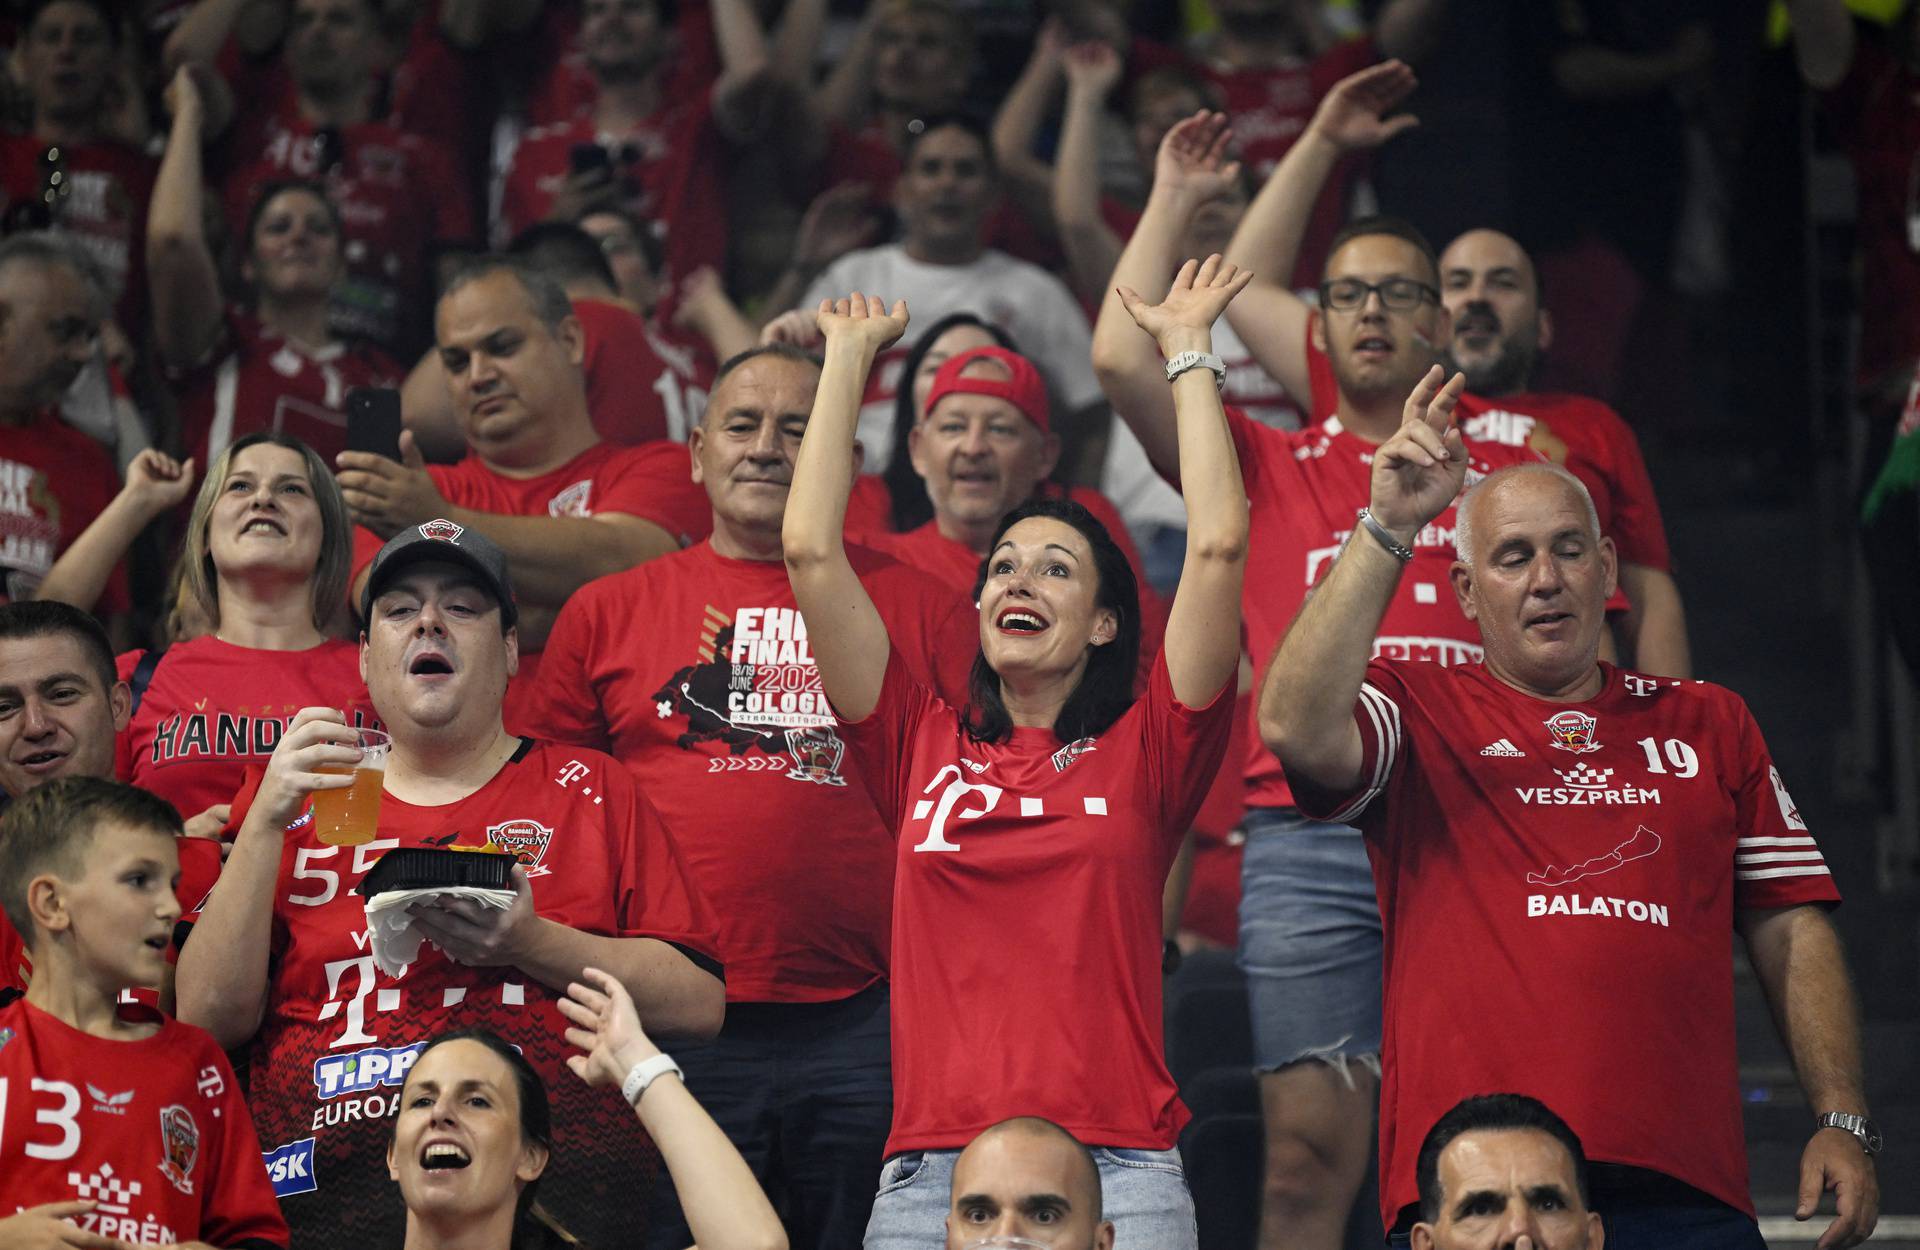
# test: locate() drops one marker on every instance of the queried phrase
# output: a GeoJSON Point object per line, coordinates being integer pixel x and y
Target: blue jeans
{"type": "Point", "coordinates": [805, 1091]}
{"type": "Point", "coordinates": [1309, 941]}
{"type": "Point", "coordinates": [1144, 1193]}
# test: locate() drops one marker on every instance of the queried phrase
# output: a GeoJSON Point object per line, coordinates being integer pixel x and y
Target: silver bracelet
{"type": "Point", "coordinates": [1400, 552]}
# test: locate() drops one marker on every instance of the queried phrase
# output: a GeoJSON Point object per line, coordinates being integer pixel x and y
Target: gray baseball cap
{"type": "Point", "coordinates": [441, 539]}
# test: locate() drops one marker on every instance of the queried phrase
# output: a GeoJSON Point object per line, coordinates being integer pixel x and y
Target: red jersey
{"type": "Point", "coordinates": [53, 481]}
{"type": "Point", "coordinates": [257, 380]}
{"type": "Point", "coordinates": [339, 1035]}
{"type": "Point", "coordinates": [15, 968]}
{"type": "Point", "coordinates": [1582, 434]}
{"type": "Point", "coordinates": [670, 167]}
{"type": "Point", "coordinates": [1268, 108]}
{"type": "Point", "coordinates": [154, 1131]}
{"type": "Point", "coordinates": [105, 210]}
{"type": "Point", "coordinates": [399, 197]}
{"type": "Point", "coordinates": [696, 665]}
{"type": "Point", "coordinates": [1033, 863]}
{"type": "Point", "coordinates": [1503, 829]}
{"type": "Point", "coordinates": [209, 711]}
{"type": "Point", "coordinates": [653, 482]}
{"type": "Point", "coordinates": [1304, 487]}
{"type": "Point", "coordinates": [1596, 446]}
{"type": "Point", "coordinates": [640, 386]}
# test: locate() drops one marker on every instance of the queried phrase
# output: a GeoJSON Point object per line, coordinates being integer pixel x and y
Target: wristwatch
{"type": "Point", "coordinates": [1198, 360]}
{"type": "Point", "coordinates": [645, 1073]}
{"type": "Point", "coordinates": [1860, 1126]}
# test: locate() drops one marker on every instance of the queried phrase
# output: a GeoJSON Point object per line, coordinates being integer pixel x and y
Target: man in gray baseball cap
{"type": "Point", "coordinates": [442, 541]}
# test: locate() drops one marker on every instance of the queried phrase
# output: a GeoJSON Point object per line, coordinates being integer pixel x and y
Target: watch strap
{"type": "Point", "coordinates": [1198, 360]}
{"type": "Point", "coordinates": [1399, 550]}
{"type": "Point", "coordinates": [1859, 1125]}
{"type": "Point", "coordinates": [645, 1073]}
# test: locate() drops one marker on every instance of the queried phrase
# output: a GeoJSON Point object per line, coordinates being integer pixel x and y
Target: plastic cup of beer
{"type": "Point", "coordinates": [351, 816]}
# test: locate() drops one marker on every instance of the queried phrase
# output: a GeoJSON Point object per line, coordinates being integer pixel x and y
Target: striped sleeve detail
{"type": "Point", "coordinates": [1379, 719]}
{"type": "Point", "coordinates": [1760, 859]}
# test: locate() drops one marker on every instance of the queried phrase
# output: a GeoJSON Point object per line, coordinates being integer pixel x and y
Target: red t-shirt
{"type": "Point", "coordinates": [1304, 487]}
{"type": "Point", "coordinates": [15, 968]}
{"type": "Point", "coordinates": [400, 197]}
{"type": "Point", "coordinates": [696, 665]}
{"type": "Point", "coordinates": [339, 1035]}
{"type": "Point", "coordinates": [1597, 447]}
{"type": "Point", "coordinates": [653, 482]}
{"type": "Point", "coordinates": [1876, 117]}
{"type": "Point", "coordinates": [671, 165]}
{"type": "Point", "coordinates": [256, 380]}
{"type": "Point", "coordinates": [54, 481]}
{"type": "Point", "coordinates": [212, 709]}
{"type": "Point", "coordinates": [640, 387]}
{"type": "Point", "coordinates": [1032, 863]}
{"type": "Point", "coordinates": [106, 210]}
{"type": "Point", "coordinates": [1583, 434]}
{"type": "Point", "coordinates": [1503, 829]}
{"type": "Point", "coordinates": [1268, 108]}
{"type": "Point", "coordinates": [154, 1131]}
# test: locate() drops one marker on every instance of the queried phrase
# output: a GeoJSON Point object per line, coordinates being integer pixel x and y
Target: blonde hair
{"type": "Point", "coordinates": [200, 581]}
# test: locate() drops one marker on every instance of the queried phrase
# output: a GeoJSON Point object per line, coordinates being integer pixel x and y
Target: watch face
{"type": "Point", "coordinates": [1871, 1132]}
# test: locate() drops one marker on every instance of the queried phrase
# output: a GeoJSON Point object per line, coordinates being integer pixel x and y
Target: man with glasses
{"type": "Point", "coordinates": [1310, 937]}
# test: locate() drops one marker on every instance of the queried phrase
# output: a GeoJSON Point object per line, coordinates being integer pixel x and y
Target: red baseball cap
{"type": "Point", "coordinates": [1024, 388]}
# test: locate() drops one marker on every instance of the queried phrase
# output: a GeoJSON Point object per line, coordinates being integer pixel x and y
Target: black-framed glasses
{"type": "Point", "coordinates": [1397, 294]}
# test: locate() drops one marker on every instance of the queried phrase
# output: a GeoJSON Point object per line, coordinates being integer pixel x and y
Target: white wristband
{"type": "Point", "coordinates": [645, 1073]}
{"type": "Point", "coordinates": [1198, 360]}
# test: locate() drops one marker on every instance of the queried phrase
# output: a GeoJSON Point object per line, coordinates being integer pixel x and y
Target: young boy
{"type": "Point", "coordinates": [118, 1120]}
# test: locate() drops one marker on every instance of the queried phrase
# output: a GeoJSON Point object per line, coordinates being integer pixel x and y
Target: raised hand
{"type": "Point", "coordinates": [840, 219]}
{"type": "Point", "coordinates": [1419, 471]}
{"type": "Point", "coordinates": [1193, 157]}
{"type": "Point", "coordinates": [607, 1029]}
{"type": "Point", "coordinates": [796, 326]}
{"type": "Point", "coordinates": [386, 495]}
{"type": "Point", "coordinates": [1092, 68]}
{"type": "Point", "coordinates": [157, 482]}
{"type": "Point", "coordinates": [862, 319]}
{"type": "Point", "coordinates": [1201, 292]}
{"type": "Point", "coordinates": [1354, 114]}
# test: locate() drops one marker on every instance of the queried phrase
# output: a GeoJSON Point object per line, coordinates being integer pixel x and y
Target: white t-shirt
{"type": "Point", "coordinates": [1024, 300]}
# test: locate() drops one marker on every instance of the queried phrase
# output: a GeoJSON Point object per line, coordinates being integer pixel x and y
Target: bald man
{"type": "Point", "coordinates": [1542, 818]}
{"type": "Point", "coordinates": [1031, 1180]}
{"type": "Point", "coordinates": [1500, 330]}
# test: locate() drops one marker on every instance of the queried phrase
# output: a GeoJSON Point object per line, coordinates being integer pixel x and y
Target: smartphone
{"type": "Point", "coordinates": [373, 420]}
{"type": "Point", "coordinates": [589, 158]}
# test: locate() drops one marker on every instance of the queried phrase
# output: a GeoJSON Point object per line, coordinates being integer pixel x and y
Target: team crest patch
{"type": "Point", "coordinates": [181, 1138]}
{"type": "Point", "coordinates": [1070, 752]}
{"type": "Point", "coordinates": [6, 1035]}
{"type": "Point", "coordinates": [443, 530]}
{"type": "Point", "coordinates": [1572, 731]}
{"type": "Point", "coordinates": [575, 500]}
{"type": "Point", "coordinates": [816, 756]}
{"type": "Point", "coordinates": [525, 840]}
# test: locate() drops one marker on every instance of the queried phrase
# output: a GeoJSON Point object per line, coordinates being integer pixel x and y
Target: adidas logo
{"type": "Point", "coordinates": [1504, 748]}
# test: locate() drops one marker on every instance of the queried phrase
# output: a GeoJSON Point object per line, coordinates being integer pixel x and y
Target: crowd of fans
{"type": "Point", "coordinates": [897, 523]}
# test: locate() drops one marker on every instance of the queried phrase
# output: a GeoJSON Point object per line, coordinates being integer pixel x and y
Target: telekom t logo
{"type": "Point", "coordinates": [957, 789]}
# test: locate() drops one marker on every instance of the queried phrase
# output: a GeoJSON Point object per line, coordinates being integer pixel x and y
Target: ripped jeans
{"type": "Point", "coordinates": [1309, 942]}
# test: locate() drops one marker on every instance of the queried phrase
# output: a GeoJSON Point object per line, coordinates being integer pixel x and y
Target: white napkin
{"type": "Point", "coordinates": [394, 941]}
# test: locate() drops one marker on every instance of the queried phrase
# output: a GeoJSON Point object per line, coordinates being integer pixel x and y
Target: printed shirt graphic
{"type": "Point", "coordinates": [1304, 487]}
{"type": "Point", "coordinates": [652, 481]}
{"type": "Point", "coordinates": [53, 481]}
{"type": "Point", "coordinates": [211, 710]}
{"type": "Point", "coordinates": [1033, 864]}
{"type": "Point", "coordinates": [339, 1035]}
{"type": "Point", "coordinates": [694, 670]}
{"type": "Point", "coordinates": [154, 1131]}
{"type": "Point", "coordinates": [256, 380]}
{"type": "Point", "coordinates": [1579, 887]}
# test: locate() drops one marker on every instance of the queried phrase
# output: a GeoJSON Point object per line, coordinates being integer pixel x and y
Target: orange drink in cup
{"type": "Point", "coordinates": [351, 816]}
